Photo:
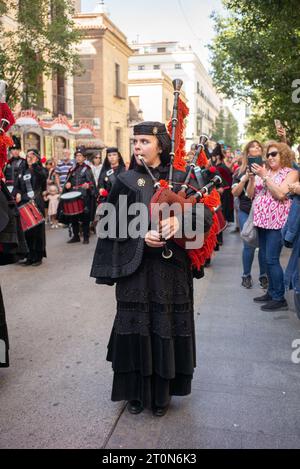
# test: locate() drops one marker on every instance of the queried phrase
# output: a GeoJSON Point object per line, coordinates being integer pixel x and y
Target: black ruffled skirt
{"type": "Point", "coordinates": [152, 344]}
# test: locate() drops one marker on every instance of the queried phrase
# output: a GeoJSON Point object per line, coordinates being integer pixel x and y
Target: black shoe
{"type": "Point", "coordinates": [86, 241]}
{"type": "Point", "coordinates": [264, 282]}
{"type": "Point", "coordinates": [160, 411]}
{"type": "Point", "coordinates": [247, 281]}
{"type": "Point", "coordinates": [75, 239]}
{"type": "Point", "coordinates": [275, 306]}
{"type": "Point", "coordinates": [26, 263]}
{"type": "Point", "coordinates": [262, 299]}
{"type": "Point", "coordinates": [135, 407]}
{"type": "Point", "coordinates": [36, 263]}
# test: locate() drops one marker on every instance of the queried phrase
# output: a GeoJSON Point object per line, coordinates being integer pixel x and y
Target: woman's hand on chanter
{"type": "Point", "coordinates": [153, 239]}
{"type": "Point", "coordinates": [169, 227]}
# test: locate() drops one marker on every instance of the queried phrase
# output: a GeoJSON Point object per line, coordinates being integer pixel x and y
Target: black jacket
{"type": "Point", "coordinates": [38, 182]}
{"type": "Point", "coordinates": [121, 256]}
{"type": "Point", "coordinates": [12, 170]}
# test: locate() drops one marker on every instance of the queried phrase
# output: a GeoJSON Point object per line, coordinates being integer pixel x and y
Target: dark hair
{"type": "Point", "coordinates": [95, 154]}
{"type": "Point", "coordinates": [106, 164]}
{"type": "Point", "coordinates": [217, 151]}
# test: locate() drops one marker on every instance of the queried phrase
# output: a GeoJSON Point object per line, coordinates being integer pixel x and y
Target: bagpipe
{"type": "Point", "coordinates": [198, 186]}
{"type": "Point", "coordinates": [6, 121]}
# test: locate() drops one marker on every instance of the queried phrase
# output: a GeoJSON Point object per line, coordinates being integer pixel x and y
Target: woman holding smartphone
{"type": "Point", "coordinates": [271, 209]}
{"type": "Point", "coordinates": [253, 150]}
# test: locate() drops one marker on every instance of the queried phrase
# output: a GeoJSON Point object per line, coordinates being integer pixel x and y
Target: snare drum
{"type": "Point", "coordinates": [30, 216]}
{"type": "Point", "coordinates": [73, 203]}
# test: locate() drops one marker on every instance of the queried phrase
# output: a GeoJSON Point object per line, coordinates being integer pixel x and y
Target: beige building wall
{"type": "Point", "coordinates": [99, 97]}
{"type": "Point", "coordinates": [155, 93]}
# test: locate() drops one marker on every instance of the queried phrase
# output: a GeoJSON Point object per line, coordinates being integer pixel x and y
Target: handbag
{"type": "Point", "coordinates": [249, 233]}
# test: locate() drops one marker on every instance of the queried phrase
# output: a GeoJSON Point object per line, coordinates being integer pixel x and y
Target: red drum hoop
{"type": "Point", "coordinates": [73, 203]}
{"type": "Point", "coordinates": [30, 216]}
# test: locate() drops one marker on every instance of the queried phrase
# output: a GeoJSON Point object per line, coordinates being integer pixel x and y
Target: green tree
{"type": "Point", "coordinates": [226, 128]}
{"type": "Point", "coordinates": [231, 130]}
{"type": "Point", "coordinates": [219, 127]}
{"type": "Point", "coordinates": [43, 44]}
{"type": "Point", "coordinates": [255, 57]}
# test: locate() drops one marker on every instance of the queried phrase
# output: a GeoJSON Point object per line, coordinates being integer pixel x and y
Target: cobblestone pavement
{"type": "Point", "coordinates": [56, 394]}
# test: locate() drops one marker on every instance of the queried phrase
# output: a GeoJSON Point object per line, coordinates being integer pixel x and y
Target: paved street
{"type": "Point", "coordinates": [56, 393]}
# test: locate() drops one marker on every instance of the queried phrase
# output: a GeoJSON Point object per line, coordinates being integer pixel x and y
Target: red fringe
{"type": "Point", "coordinates": [202, 160]}
{"type": "Point", "coordinates": [163, 183]}
{"type": "Point", "coordinates": [5, 140]}
{"type": "Point", "coordinates": [199, 256]}
{"type": "Point", "coordinates": [212, 200]}
{"type": "Point", "coordinates": [180, 153]}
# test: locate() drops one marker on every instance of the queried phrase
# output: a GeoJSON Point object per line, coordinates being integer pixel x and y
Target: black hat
{"type": "Point", "coordinates": [35, 151]}
{"type": "Point", "coordinates": [150, 128]}
{"type": "Point", "coordinates": [81, 150]}
{"type": "Point", "coordinates": [112, 150]}
{"type": "Point", "coordinates": [159, 131]}
{"type": "Point", "coordinates": [17, 143]}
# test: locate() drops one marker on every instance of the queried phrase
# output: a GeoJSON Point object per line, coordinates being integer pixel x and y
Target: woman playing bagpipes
{"type": "Point", "coordinates": [152, 343]}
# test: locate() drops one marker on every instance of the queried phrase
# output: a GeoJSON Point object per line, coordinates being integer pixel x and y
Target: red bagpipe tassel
{"type": "Point", "coordinates": [180, 153]}
{"type": "Point", "coordinates": [6, 121]}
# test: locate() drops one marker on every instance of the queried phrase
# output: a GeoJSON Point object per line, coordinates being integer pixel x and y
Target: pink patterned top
{"type": "Point", "coordinates": [270, 213]}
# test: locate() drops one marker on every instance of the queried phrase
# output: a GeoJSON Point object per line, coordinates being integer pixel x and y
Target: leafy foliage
{"type": "Point", "coordinates": [255, 57]}
{"type": "Point", "coordinates": [226, 128]}
{"type": "Point", "coordinates": [41, 44]}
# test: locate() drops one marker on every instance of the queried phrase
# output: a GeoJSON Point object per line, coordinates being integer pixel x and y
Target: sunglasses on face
{"type": "Point", "coordinates": [272, 153]}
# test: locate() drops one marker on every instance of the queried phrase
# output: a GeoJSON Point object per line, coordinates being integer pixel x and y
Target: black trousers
{"type": "Point", "coordinates": [85, 229]}
{"type": "Point", "coordinates": [36, 241]}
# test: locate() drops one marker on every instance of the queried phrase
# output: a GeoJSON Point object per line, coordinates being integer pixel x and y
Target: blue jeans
{"type": "Point", "coordinates": [248, 251]}
{"type": "Point", "coordinates": [270, 245]}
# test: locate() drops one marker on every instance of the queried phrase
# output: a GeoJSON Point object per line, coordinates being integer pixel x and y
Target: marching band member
{"type": "Point", "coordinates": [15, 164]}
{"type": "Point", "coordinates": [31, 184]}
{"type": "Point", "coordinates": [81, 179]}
{"type": "Point", "coordinates": [112, 166]}
{"type": "Point", "coordinates": [152, 344]}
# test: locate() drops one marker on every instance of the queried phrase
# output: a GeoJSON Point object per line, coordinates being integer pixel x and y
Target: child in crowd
{"type": "Point", "coordinates": [52, 197]}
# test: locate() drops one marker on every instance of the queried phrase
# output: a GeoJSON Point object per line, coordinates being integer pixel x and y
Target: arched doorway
{"type": "Point", "coordinates": [60, 143]}
{"type": "Point", "coordinates": [32, 140]}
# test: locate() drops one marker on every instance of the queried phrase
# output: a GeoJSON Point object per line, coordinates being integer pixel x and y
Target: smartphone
{"type": "Point", "coordinates": [254, 160]}
{"type": "Point", "coordinates": [277, 123]}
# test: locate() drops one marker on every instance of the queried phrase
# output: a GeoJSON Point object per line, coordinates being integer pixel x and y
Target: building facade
{"type": "Point", "coordinates": [151, 97]}
{"type": "Point", "coordinates": [101, 91]}
{"type": "Point", "coordinates": [49, 125]}
{"type": "Point", "coordinates": [179, 61]}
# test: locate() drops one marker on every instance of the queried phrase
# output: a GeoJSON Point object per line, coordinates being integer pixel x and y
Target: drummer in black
{"type": "Point", "coordinates": [31, 183]}
{"type": "Point", "coordinates": [15, 164]}
{"type": "Point", "coordinates": [113, 165]}
{"type": "Point", "coordinates": [80, 178]}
